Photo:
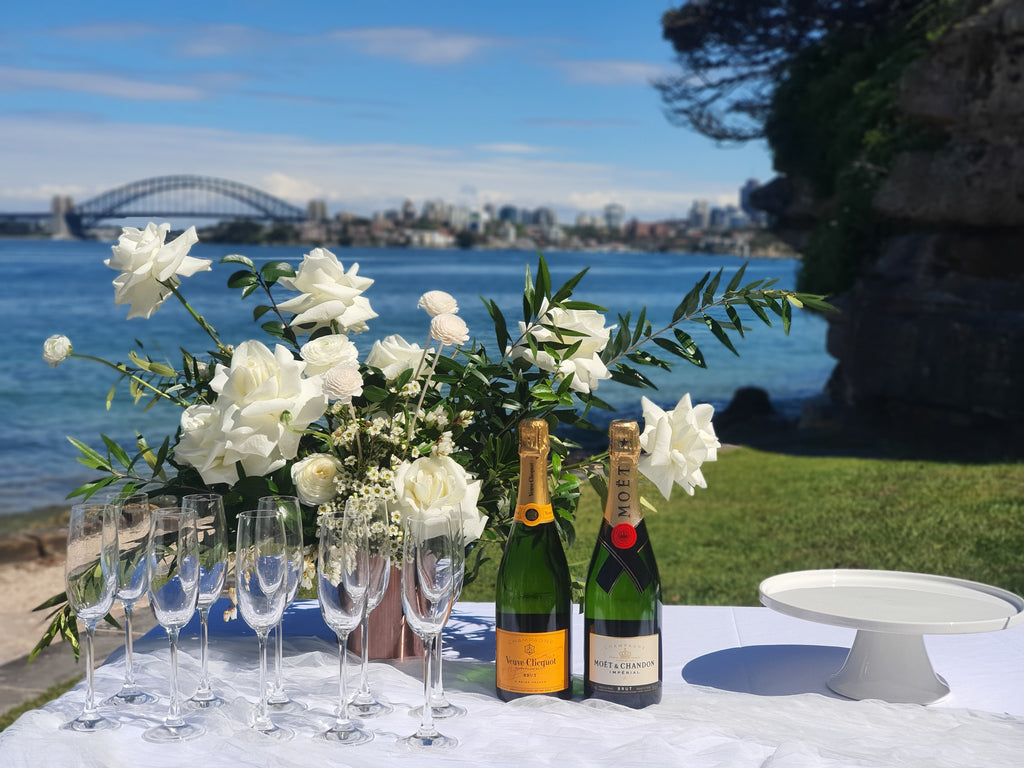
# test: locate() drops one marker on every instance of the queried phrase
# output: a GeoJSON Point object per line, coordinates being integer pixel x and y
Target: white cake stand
{"type": "Point", "coordinates": [891, 610]}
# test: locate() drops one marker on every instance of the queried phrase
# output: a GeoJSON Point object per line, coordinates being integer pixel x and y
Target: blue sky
{"type": "Point", "coordinates": [362, 104]}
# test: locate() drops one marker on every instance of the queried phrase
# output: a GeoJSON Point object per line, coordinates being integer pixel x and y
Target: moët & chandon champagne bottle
{"type": "Point", "coordinates": [533, 598]}
{"type": "Point", "coordinates": [622, 602]}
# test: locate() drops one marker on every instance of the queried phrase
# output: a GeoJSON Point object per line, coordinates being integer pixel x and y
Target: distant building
{"type": "Point", "coordinates": [316, 210]}
{"type": "Point", "coordinates": [510, 214]}
{"type": "Point", "coordinates": [614, 216]}
{"type": "Point", "coordinates": [700, 215]}
{"type": "Point", "coordinates": [545, 217]}
{"type": "Point", "coordinates": [755, 215]}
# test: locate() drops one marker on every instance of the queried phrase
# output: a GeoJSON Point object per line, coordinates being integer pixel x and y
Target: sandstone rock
{"type": "Point", "coordinates": [935, 331]}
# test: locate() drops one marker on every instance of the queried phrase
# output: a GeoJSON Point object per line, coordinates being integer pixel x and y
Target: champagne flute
{"type": "Point", "coordinates": [90, 576]}
{"type": "Point", "coordinates": [428, 580]}
{"type": "Point", "coordinates": [132, 515]}
{"type": "Point", "coordinates": [172, 567]}
{"type": "Point", "coordinates": [261, 575]}
{"type": "Point", "coordinates": [343, 574]}
{"type": "Point", "coordinates": [364, 703]}
{"type": "Point", "coordinates": [213, 566]}
{"type": "Point", "coordinates": [291, 515]}
{"type": "Point", "coordinates": [439, 704]}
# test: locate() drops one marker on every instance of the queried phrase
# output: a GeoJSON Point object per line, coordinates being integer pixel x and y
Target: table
{"type": "Point", "coordinates": [744, 686]}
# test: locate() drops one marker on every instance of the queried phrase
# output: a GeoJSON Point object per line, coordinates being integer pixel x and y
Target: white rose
{"type": "Point", "coordinates": [432, 484]}
{"type": "Point", "coordinates": [325, 352]}
{"type": "Point", "coordinates": [585, 364]}
{"type": "Point", "coordinates": [56, 349]}
{"type": "Point", "coordinates": [148, 266]}
{"type": "Point", "coordinates": [438, 303]}
{"type": "Point", "coordinates": [255, 392]}
{"type": "Point", "coordinates": [203, 444]}
{"type": "Point", "coordinates": [314, 478]}
{"type": "Point", "coordinates": [328, 294]}
{"type": "Point", "coordinates": [394, 355]}
{"type": "Point", "coordinates": [342, 383]}
{"type": "Point", "coordinates": [676, 444]}
{"type": "Point", "coordinates": [449, 329]}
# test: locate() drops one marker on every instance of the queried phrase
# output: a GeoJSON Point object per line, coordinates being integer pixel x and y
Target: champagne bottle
{"type": "Point", "coordinates": [532, 596]}
{"type": "Point", "coordinates": [622, 602]}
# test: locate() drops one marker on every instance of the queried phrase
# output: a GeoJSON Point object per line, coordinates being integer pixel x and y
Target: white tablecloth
{"type": "Point", "coordinates": [743, 687]}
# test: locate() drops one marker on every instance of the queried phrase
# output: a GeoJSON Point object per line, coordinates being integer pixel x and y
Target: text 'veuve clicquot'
{"type": "Point", "coordinates": [533, 598]}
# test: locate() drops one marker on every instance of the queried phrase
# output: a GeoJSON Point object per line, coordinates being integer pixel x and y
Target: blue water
{"type": "Point", "coordinates": [49, 287]}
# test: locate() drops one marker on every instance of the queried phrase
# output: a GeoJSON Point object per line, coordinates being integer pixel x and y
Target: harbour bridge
{"type": "Point", "coordinates": [165, 197]}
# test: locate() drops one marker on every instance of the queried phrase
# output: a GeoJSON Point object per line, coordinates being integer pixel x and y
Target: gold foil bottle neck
{"type": "Point", "coordinates": [533, 436]}
{"type": "Point", "coordinates": [624, 437]}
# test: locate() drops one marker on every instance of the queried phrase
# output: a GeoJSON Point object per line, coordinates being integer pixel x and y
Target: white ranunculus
{"type": "Point", "coordinates": [327, 293]}
{"type": "Point", "coordinates": [394, 355]}
{"type": "Point", "coordinates": [342, 383]}
{"type": "Point", "coordinates": [438, 303]}
{"type": "Point", "coordinates": [148, 266]}
{"type": "Point", "coordinates": [256, 392]}
{"type": "Point", "coordinates": [585, 364]}
{"type": "Point", "coordinates": [314, 478]}
{"type": "Point", "coordinates": [449, 329]}
{"type": "Point", "coordinates": [56, 349]}
{"type": "Point", "coordinates": [203, 444]}
{"type": "Point", "coordinates": [676, 444]}
{"type": "Point", "coordinates": [431, 484]}
{"type": "Point", "coordinates": [323, 353]}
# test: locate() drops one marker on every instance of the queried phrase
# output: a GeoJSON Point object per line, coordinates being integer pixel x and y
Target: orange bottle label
{"type": "Point", "coordinates": [532, 662]}
{"type": "Point", "coordinates": [534, 514]}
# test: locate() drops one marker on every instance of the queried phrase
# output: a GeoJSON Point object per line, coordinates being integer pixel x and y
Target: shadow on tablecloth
{"type": "Point", "coordinates": [769, 670]}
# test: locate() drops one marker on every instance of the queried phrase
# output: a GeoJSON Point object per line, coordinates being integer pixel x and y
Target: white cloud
{"type": "Point", "coordinates": [418, 45]}
{"type": "Point", "coordinates": [19, 78]}
{"type": "Point", "coordinates": [511, 148]}
{"type": "Point", "coordinates": [43, 157]}
{"type": "Point", "coordinates": [612, 72]}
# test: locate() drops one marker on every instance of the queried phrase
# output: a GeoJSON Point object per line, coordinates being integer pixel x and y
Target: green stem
{"type": "Point", "coordinates": [210, 331]}
{"type": "Point", "coordinates": [123, 369]}
{"type": "Point", "coordinates": [423, 391]}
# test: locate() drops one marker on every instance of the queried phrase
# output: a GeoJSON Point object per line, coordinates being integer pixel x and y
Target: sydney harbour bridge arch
{"type": "Point", "coordinates": [166, 197]}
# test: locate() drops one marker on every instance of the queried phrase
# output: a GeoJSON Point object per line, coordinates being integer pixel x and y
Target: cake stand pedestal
{"type": "Point", "coordinates": [891, 611]}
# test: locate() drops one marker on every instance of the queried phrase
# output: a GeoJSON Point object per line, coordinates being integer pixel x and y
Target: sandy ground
{"type": "Point", "coordinates": [23, 586]}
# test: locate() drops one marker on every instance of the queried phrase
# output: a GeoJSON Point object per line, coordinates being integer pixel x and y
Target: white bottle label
{"type": "Point", "coordinates": [624, 662]}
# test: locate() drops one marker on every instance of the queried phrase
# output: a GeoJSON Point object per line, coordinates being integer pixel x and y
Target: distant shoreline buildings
{"type": "Point", "coordinates": [439, 224]}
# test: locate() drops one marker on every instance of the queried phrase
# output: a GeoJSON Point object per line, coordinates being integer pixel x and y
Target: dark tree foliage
{"type": "Point", "coordinates": [733, 54]}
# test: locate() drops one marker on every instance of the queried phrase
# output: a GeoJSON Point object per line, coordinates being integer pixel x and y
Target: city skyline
{"type": "Point", "coordinates": [531, 105]}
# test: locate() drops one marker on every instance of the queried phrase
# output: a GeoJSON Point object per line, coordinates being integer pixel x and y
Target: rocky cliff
{"type": "Point", "coordinates": [935, 329]}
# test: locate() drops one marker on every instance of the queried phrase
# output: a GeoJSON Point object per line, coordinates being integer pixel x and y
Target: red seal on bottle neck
{"type": "Point", "coordinates": [623, 536]}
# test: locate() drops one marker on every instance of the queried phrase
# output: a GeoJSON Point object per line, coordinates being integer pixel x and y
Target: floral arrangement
{"type": "Point", "coordinates": [418, 427]}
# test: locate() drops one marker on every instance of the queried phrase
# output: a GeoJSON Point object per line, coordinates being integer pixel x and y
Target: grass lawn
{"type": "Point", "coordinates": [765, 513]}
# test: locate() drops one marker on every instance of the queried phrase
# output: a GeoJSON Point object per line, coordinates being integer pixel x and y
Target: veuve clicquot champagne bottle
{"type": "Point", "coordinates": [622, 602]}
{"type": "Point", "coordinates": [533, 599]}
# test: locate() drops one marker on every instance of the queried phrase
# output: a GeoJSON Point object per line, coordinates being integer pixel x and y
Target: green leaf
{"type": "Point", "coordinates": [735, 317]}
{"type": "Point", "coordinates": [260, 311]}
{"type": "Point", "coordinates": [242, 279]}
{"type": "Point", "coordinates": [691, 301]}
{"type": "Point", "coordinates": [272, 271]}
{"type": "Point", "coordinates": [500, 326]}
{"type": "Point", "coordinates": [735, 282]}
{"type": "Point", "coordinates": [97, 461]}
{"type": "Point", "coordinates": [758, 310]}
{"type": "Point", "coordinates": [693, 353]}
{"type": "Point", "coordinates": [719, 333]}
{"type": "Point", "coordinates": [375, 394]}
{"type": "Point", "coordinates": [274, 328]}
{"type": "Point", "coordinates": [116, 451]}
{"type": "Point", "coordinates": [709, 292]}
{"type": "Point", "coordinates": [237, 258]}
{"type": "Point", "coordinates": [568, 287]}
{"type": "Point", "coordinates": [787, 316]}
